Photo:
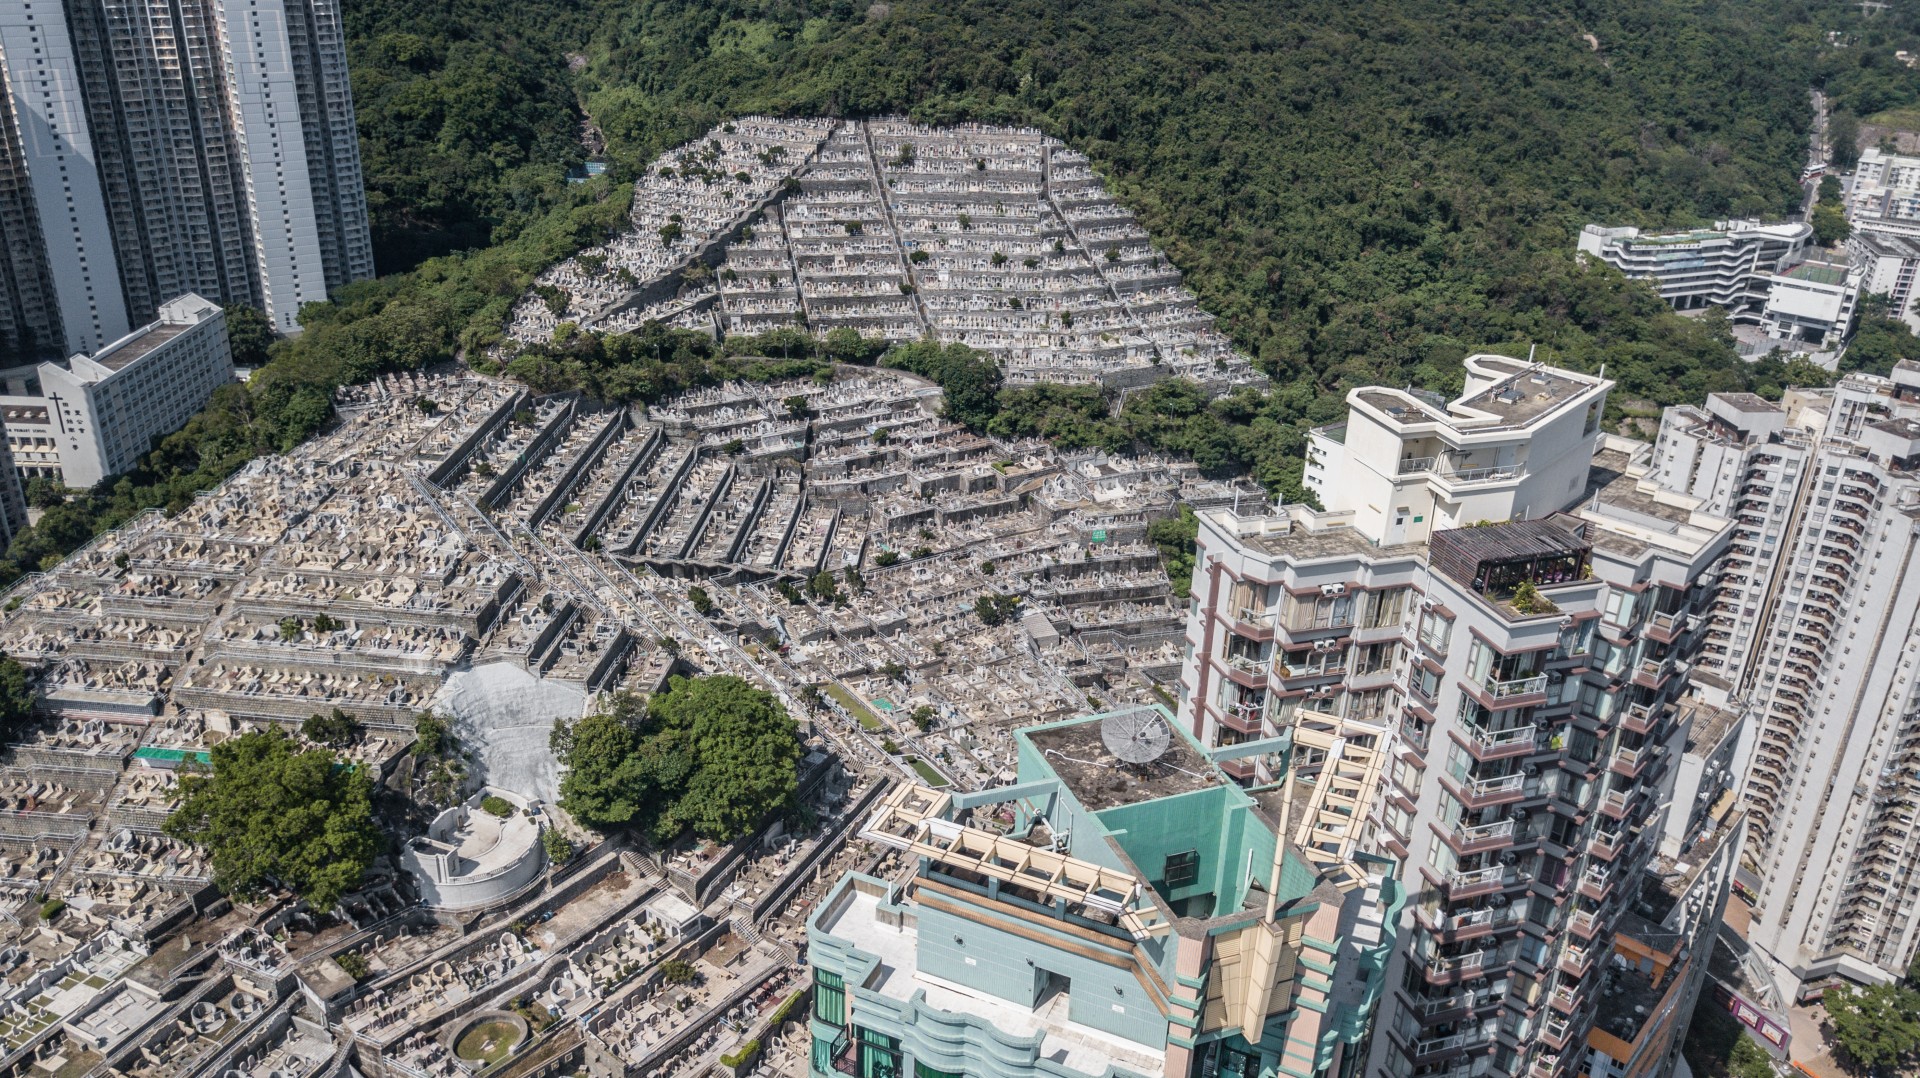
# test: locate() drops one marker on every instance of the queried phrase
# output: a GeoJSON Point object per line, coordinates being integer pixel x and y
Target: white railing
{"type": "Point", "coordinates": [1484, 831]}
{"type": "Point", "coordinates": [1495, 740]}
{"type": "Point", "coordinates": [1526, 686]}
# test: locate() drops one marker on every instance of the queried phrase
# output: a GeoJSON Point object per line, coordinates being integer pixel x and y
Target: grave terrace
{"type": "Point", "coordinates": [1000, 238]}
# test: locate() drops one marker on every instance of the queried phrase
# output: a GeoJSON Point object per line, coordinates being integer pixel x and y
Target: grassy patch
{"type": "Point", "coordinates": [1904, 118]}
{"type": "Point", "coordinates": [488, 1042]}
{"type": "Point", "coordinates": [854, 707]}
{"type": "Point", "coordinates": [926, 771]}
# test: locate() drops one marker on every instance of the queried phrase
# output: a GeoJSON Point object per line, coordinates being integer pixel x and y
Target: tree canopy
{"type": "Point", "coordinates": [271, 815]}
{"type": "Point", "coordinates": [1878, 1028]}
{"type": "Point", "coordinates": [713, 755]}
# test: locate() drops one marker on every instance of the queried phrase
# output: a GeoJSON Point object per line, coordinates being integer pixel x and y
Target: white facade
{"type": "Point", "coordinates": [180, 146]}
{"type": "Point", "coordinates": [1725, 266]}
{"type": "Point", "coordinates": [1524, 753]}
{"type": "Point", "coordinates": [95, 416]}
{"type": "Point", "coordinates": [55, 168]}
{"type": "Point", "coordinates": [1886, 187]}
{"type": "Point", "coordinates": [1888, 262]}
{"type": "Point", "coordinates": [1516, 444]}
{"type": "Point", "coordinates": [1817, 629]}
{"type": "Point", "coordinates": [1811, 307]}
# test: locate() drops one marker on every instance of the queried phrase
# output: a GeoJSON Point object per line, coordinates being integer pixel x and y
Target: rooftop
{"type": "Point", "coordinates": [856, 919]}
{"type": "Point", "coordinates": [1098, 780]}
{"type": "Point", "coordinates": [130, 349]}
{"type": "Point", "coordinates": [1818, 273]}
{"type": "Point", "coordinates": [1477, 556]}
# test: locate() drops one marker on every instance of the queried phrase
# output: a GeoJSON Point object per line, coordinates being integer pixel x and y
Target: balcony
{"type": "Point", "coordinates": [1639, 718]}
{"type": "Point", "coordinates": [1606, 846]}
{"type": "Point", "coordinates": [1630, 762]}
{"type": "Point", "coordinates": [1555, 1031]}
{"type": "Point", "coordinates": [1475, 923]}
{"type": "Point", "coordinates": [1544, 1066]}
{"type": "Point", "coordinates": [1565, 999]}
{"type": "Point", "coordinates": [1448, 970]}
{"type": "Point", "coordinates": [1596, 883]}
{"type": "Point", "coordinates": [1498, 744]}
{"type": "Point", "coordinates": [1486, 793]}
{"type": "Point", "coordinates": [1481, 837]}
{"type": "Point", "coordinates": [1584, 923]}
{"type": "Point", "coordinates": [1616, 803]}
{"type": "Point", "coordinates": [1575, 962]}
{"type": "Point", "coordinates": [1653, 673]}
{"type": "Point", "coordinates": [1253, 624]}
{"type": "Point", "coordinates": [1516, 692]}
{"type": "Point", "coordinates": [1666, 628]}
{"type": "Point", "coordinates": [1473, 882]}
{"type": "Point", "coordinates": [1247, 670]}
{"type": "Point", "coordinates": [1432, 1048]}
{"type": "Point", "coordinates": [1293, 676]}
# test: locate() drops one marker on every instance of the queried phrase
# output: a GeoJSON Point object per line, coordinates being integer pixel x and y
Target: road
{"type": "Point", "coordinates": [1816, 151]}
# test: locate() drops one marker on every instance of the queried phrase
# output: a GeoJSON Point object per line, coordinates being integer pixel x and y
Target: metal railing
{"type": "Point", "coordinates": [1495, 740]}
{"type": "Point", "coordinates": [1526, 686]}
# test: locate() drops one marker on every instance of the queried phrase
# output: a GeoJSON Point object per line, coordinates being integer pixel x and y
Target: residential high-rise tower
{"type": "Point", "coordinates": [154, 148]}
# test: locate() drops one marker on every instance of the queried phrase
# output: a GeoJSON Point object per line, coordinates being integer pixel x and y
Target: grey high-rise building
{"type": "Point", "coordinates": [152, 148]}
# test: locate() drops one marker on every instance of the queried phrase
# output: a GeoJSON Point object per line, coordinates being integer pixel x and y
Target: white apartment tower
{"type": "Point", "coordinates": [155, 148]}
{"type": "Point", "coordinates": [1816, 629]}
{"type": "Point", "coordinates": [1475, 658]}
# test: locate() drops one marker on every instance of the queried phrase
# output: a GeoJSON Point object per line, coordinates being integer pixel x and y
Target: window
{"type": "Point", "coordinates": [1181, 869]}
{"type": "Point", "coordinates": [921, 1070]}
{"type": "Point", "coordinates": [829, 997]}
{"type": "Point", "coordinates": [879, 1055]}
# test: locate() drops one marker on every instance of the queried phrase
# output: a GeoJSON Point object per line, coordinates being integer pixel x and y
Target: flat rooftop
{"type": "Point", "coordinates": [1064, 1042]}
{"type": "Point", "coordinates": [1748, 403]}
{"type": "Point", "coordinates": [1097, 778]}
{"type": "Point", "coordinates": [129, 350]}
{"type": "Point", "coordinates": [1817, 273]}
{"type": "Point", "coordinates": [1528, 393]}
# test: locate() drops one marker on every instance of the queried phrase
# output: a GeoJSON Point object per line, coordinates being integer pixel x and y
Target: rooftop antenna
{"type": "Point", "coordinates": [1137, 737]}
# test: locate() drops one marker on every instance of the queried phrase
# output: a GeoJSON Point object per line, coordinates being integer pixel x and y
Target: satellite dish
{"type": "Point", "coordinates": [1135, 737]}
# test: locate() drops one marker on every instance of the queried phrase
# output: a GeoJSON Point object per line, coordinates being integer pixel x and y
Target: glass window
{"type": "Point", "coordinates": [822, 1055]}
{"type": "Point", "coordinates": [879, 1055]}
{"type": "Point", "coordinates": [829, 997]}
{"type": "Point", "coordinates": [1181, 869]}
{"type": "Point", "coordinates": [921, 1070]}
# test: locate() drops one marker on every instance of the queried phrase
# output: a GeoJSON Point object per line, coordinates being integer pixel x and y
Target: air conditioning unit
{"type": "Point", "coordinates": [1333, 589]}
{"type": "Point", "coordinates": [1326, 645]}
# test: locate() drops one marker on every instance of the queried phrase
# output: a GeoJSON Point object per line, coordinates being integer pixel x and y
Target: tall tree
{"type": "Point", "coordinates": [745, 749]}
{"type": "Point", "coordinates": [270, 816]}
{"type": "Point", "coordinates": [1877, 1027]}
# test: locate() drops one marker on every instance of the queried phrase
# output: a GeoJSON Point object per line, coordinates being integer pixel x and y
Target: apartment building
{"type": "Point", "coordinates": [95, 415]}
{"type": "Point", "coordinates": [1889, 262]}
{"type": "Point", "coordinates": [156, 149]}
{"type": "Point", "coordinates": [1510, 614]}
{"type": "Point", "coordinates": [1102, 916]}
{"type": "Point", "coordinates": [1815, 628]}
{"type": "Point", "coordinates": [1885, 193]}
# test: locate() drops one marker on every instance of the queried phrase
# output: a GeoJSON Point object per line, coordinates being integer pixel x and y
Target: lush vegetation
{"type": "Point", "coordinates": [713, 755]}
{"type": "Point", "coordinates": [1361, 193]}
{"type": "Point", "coordinates": [273, 816]}
{"type": "Point", "coordinates": [16, 699]}
{"type": "Point", "coordinates": [1877, 1029]}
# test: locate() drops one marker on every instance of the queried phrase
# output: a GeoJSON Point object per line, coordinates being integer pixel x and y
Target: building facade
{"type": "Point", "coordinates": [156, 148]}
{"type": "Point", "coordinates": [1516, 612]}
{"type": "Point", "coordinates": [1815, 629]}
{"type": "Point", "coordinates": [1098, 918]}
{"type": "Point", "coordinates": [1717, 267]}
{"type": "Point", "coordinates": [95, 415]}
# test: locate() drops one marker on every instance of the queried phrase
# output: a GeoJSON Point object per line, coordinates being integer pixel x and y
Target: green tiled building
{"type": "Point", "coordinates": [1097, 918]}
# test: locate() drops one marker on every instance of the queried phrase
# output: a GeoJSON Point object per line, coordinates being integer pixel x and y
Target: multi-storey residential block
{"type": "Point", "coordinates": [156, 149]}
{"type": "Point", "coordinates": [1886, 191]}
{"type": "Point", "coordinates": [95, 415]}
{"type": "Point", "coordinates": [1100, 918]}
{"type": "Point", "coordinates": [1888, 262]}
{"type": "Point", "coordinates": [1815, 629]}
{"type": "Point", "coordinates": [1762, 274]}
{"type": "Point", "coordinates": [1514, 614]}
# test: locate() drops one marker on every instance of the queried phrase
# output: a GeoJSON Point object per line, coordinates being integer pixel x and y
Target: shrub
{"type": "Point", "coordinates": [497, 806]}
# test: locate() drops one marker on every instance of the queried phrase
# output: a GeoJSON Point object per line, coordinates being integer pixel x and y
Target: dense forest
{"type": "Point", "coordinates": [1361, 193]}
